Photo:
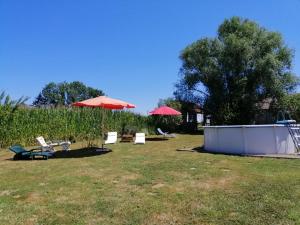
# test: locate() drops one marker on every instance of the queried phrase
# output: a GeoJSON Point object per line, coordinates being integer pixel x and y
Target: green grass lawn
{"type": "Point", "coordinates": [149, 184]}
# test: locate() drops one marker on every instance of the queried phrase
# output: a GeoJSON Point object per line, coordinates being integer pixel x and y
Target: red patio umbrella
{"type": "Point", "coordinates": [165, 110]}
{"type": "Point", "coordinates": [105, 103]}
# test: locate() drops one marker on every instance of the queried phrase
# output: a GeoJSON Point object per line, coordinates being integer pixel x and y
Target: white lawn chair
{"type": "Point", "coordinates": [139, 138]}
{"type": "Point", "coordinates": [112, 138]}
{"type": "Point", "coordinates": [49, 146]}
{"type": "Point", "coordinates": [165, 134]}
{"type": "Point", "coordinates": [46, 146]}
{"type": "Point", "coordinates": [65, 145]}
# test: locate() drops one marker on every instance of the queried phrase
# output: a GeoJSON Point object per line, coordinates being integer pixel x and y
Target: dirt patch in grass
{"type": "Point", "coordinates": [180, 175]}
{"type": "Point", "coordinates": [215, 183]}
{"type": "Point", "coordinates": [33, 197]}
{"type": "Point", "coordinates": [207, 184]}
{"type": "Point", "coordinates": [122, 179]}
{"type": "Point", "coordinates": [31, 221]}
{"type": "Point", "coordinates": [128, 177]}
{"type": "Point", "coordinates": [5, 193]}
{"type": "Point", "coordinates": [61, 199]}
{"type": "Point", "coordinates": [97, 220]}
{"type": "Point", "coordinates": [163, 219]}
{"type": "Point", "coordinates": [159, 185]}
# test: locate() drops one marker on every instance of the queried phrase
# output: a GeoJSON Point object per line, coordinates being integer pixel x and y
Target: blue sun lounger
{"type": "Point", "coordinates": [22, 153]}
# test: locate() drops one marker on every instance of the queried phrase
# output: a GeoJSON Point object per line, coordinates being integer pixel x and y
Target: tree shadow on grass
{"type": "Point", "coordinates": [201, 149]}
{"type": "Point", "coordinates": [76, 153]}
{"type": "Point", "coordinates": [80, 153]}
{"type": "Point", "coordinates": [25, 159]}
{"type": "Point", "coordinates": [198, 132]}
{"type": "Point", "coordinates": [157, 139]}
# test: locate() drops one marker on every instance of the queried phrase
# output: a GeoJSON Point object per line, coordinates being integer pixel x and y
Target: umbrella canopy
{"type": "Point", "coordinates": [104, 102]}
{"type": "Point", "coordinates": [165, 110]}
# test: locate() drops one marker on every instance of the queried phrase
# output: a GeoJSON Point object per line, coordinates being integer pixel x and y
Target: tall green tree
{"type": "Point", "coordinates": [58, 94]}
{"type": "Point", "coordinates": [233, 72]}
{"type": "Point", "coordinates": [171, 102]}
{"type": "Point", "coordinates": [291, 104]}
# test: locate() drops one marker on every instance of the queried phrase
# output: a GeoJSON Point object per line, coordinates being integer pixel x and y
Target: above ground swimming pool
{"type": "Point", "coordinates": [249, 139]}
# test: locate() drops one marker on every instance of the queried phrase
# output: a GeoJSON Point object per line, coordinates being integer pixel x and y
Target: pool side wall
{"type": "Point", "coordinates": [249, 139]}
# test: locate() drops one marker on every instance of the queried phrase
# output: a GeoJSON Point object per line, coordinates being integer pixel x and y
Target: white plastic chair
{"type": "Point", "coordinates": [49, 146]}
{"type": "Point", "coordinates": [44, 145]}
{"type": "Point", "coordinates": [139, 138]}
{"type": "Point", "coordinates": [112, 138]}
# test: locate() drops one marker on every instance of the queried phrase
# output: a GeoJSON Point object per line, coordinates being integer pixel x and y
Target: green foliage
{"type": "Point", "coordinates": [24, 125]}
{"type": "Point", "coordinates": [7, 102]}
{"type": "Point", "coordinates": [168, 123]}
{"type": "Point", "coordinates": [59, 94]}
{"type": "Point", "coordinates": [291, 103]}
{"type": "Point", "coordinates": [171, 102]}
{"type": "Point", "coordinates": [233, 72]}
{"type": "Point", "coordinates": [8, 109]}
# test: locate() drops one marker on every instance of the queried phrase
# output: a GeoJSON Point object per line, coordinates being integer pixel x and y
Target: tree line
{"type": "Point", "coordinates": [64, 94]}
{"type": "Point", "coordinates": [231, 74]}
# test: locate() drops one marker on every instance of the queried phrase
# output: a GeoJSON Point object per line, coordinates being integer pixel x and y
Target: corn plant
{"type": "Point", "coordinates": [8, 108]}
{"type": "Point", "coordinates": [23, 125]}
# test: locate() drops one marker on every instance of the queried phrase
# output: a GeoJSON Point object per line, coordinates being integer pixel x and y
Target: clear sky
{"type": "Point", "coordinates": [127, 48]}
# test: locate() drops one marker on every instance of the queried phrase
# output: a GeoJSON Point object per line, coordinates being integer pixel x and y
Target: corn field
{"type": "Point", "coordinates": [23, 125]}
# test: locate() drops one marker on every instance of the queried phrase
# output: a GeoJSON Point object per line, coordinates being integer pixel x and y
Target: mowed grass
{"type": "Point", "coordinates": [149, 184]}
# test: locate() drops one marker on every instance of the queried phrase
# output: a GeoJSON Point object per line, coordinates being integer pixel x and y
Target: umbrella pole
{"type": "Point", "coordinates": [102, 128]}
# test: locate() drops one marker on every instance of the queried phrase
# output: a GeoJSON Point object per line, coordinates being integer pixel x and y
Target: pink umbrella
{"type": "Point", "coordinates": [105, 103]}
{"type": "Point", "coordinates": [165, 110]}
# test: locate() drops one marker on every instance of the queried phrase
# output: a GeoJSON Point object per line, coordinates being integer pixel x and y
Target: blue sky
{"type": "Point", "coordinates": [127, 48]}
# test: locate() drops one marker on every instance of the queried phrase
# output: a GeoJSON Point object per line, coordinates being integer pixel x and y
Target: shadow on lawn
{"type": "Point", "coordinates": [80, 153]}
{"type": "Point", "coordinates": [156, 139]}
{"type": "Point", "coordinates": [201, 149]}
